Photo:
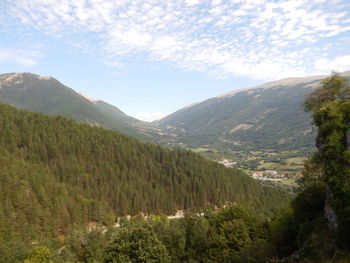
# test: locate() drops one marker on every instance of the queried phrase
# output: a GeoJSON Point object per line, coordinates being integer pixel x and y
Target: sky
{"type": "Point", "coordinates": [152, 57]}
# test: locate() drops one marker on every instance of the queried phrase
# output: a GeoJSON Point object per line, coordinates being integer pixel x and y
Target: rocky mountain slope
{"type": "Point", "coordinates": [247, 126]}
{"type": "Point", "coordinates": [266, 117]}
{"type": "Point", "coordinates": [47, 95]}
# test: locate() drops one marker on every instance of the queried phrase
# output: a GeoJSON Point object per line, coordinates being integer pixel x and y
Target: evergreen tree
{"type": "Point", "coordinates": [55, 172]}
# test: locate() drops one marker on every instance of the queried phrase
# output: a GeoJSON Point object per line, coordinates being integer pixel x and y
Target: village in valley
{"type": "Point", "coordinates": [263, 175]}
{"type": "Point", "coordinates": [269, 175]}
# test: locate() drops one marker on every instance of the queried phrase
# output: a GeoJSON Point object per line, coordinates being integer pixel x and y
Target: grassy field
{"type": "Point", "coordinates": [267, 166]}
{"type": "Point", "coordinates": [296, 161]}
{"type": "Point", "coordinates": [289, 163]}
{"type": "Point", "coordinates": [200, 150]}
{"type": "Point", "coordinates": [290, 182]}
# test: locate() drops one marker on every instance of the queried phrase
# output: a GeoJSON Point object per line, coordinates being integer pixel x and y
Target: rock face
{"type": "Point", "coordinates": [331, 217]}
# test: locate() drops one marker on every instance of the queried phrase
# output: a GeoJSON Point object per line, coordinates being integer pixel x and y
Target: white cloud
{"type": "Point", "coordinates": [159, 115]}
{"type": "Point", "coordinates": [133, 37]}
{"type": "Point", "coordinates": [149, 116]}
{"type": "Point", "coordinates": [164, 43]}
{"type": "Point", "coordinates": [19, 56]}
{"type": "Point", "coordinates": [341, 63]}
{"type": "Point", "coordinates": [256, 38]}
{"type": "Point", "coordinates": [192, 2]}
{"type": "Point", "coordinates": [142, 115]}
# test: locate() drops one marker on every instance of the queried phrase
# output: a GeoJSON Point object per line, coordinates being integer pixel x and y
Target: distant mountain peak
{"type": "Point", "coordinates": [44, 77]}
{"type": "Point", "coordinates": [47, 95]}
{"type": "Point", "coordinates": [268, 116]}
{"type": "Point", "coordinates": [273, 84]}
{"type": "Point", "coordinates": [9, 77]}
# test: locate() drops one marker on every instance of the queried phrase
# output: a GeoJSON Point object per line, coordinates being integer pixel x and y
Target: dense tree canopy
{"type": "Point", "coordinates": [229, 235]}
{"type": "Point", "coordinates": [55, 172]}
{"type": "Point", "coordinates": [58, 176]}
{"type": "Point", "coordinates": [317, 226]}
{"type": "Point", "coordinates": [334, 88]}
{"type": "Point", "coordinates": [136, 244]}
{"type": "Point", "coordinates": [330, 106]}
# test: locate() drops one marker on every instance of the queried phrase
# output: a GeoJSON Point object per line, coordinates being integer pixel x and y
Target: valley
{"type": "Point", "coordinates": [287, 163]}
{"type": "Point", "coordinates": [254, 129]}
{"type": "Point", "coordinates": [81, 187]}
{"type": "Point", "coordinates": [178, 131]}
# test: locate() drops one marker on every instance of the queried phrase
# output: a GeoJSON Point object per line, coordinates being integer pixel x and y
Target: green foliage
{"type": "Point", "coordinates": [333, 88]}
{"type": "Point", "coordinates": [93, 247]}
{"type": "Point", "coordinates": [31, 92]}
{"type": "Point", "coordinates": [232, 233]}
{"type": "Point", "coordinates": [196, 230]}
{"type": "Point", "coordinates": [136, 244]}
{"type": "Point", "coordinates": [236, 233]}
{"type": "Point", "coordinates": [40, 254]}
{"type": "Point", "coordinates": [330, 106]}
{"type": "Point", "coordinates": [172, 234]}
{"type": "Point", "coordinates": [229, 235]}
{"type": "Point", "coordinates": [313, 172]}
{"type": "Point", "coordinates": [303, 227]}
{"type": "Point", "coordinates": [56, 173]}
{"type": "Point", "coordinates": [12, 249]}
{"type": "Point", "coordinates": [325, 182]}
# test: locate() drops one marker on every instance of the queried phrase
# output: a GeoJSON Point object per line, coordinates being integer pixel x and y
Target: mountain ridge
{"type": "Point", "coordinates": [47, 95]}
{"type": "Point", "coordinates": [264, 118]}
{"type": "Point", "coordinates": [265, 85]}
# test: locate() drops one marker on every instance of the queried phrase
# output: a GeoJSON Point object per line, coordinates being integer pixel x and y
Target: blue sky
{"type": "Point", "coordinates": [152, 57]}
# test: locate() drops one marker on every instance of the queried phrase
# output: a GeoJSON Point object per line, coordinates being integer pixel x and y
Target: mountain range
{"type": "Point", "coordinates": [47, 95]}
{"type": "Point", "coordinates": [267, 118]}
{"type": "Point", "coordinates": [263, 117]}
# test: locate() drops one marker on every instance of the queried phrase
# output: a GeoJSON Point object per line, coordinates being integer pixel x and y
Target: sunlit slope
{"type": "Point", "coordinates": [270, 116]}
{"type": "Point", "coordinates": [47, 95]}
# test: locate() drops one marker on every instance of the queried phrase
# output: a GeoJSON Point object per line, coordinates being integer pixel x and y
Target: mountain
{"type": "Point", "coordinates": [56, 173]}
{"type": "Point", "coordinates": [269, 117]}
{"type": "Point", "coordinates": [47, 95]}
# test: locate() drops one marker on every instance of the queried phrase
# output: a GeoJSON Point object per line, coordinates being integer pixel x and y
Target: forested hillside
{"type": "Point", "coordinates": [269, 116]}
{"type": "Point", "coordinates": [247, 125]}
{"type": "Point", "coordinates": [55, 172]}
{"type": "Point", "coordinates": [316, 227]}
{"type": "Point", "coordinates": [47, 95]}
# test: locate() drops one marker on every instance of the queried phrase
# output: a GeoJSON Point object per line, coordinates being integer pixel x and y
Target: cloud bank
{"type": "Point", "coordinates": [19, 56]}
{"type": "Point", "coordinates": [263, 39]}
